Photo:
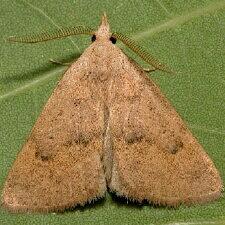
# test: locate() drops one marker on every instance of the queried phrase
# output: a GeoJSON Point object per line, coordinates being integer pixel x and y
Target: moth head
{"type": "Point", "coordinates": [103, 32]}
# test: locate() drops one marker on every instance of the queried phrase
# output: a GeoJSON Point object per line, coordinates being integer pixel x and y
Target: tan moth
{"type": "Point", "coordinates": [108, 125]}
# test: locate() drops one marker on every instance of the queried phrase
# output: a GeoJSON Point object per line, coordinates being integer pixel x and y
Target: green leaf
{"type": "Point", "coordinates": [186, 35]}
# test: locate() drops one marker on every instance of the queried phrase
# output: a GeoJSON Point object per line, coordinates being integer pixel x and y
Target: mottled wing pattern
{"type": "Point", "coordinates": [60, 164]}
{"type": "Point", "coordinates": [155, 156]}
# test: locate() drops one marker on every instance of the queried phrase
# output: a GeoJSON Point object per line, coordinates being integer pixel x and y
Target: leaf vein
{"type": "Point", "coordinates": [50, 19]}
{"type": "Point", "coordinates": [163, 7]}
{"type": "Point", "coordinates": [180, 19]}
{"type": "Point", "coordinates": [31, 84]}
{"type": "Point", "coordinates": [207, 130]}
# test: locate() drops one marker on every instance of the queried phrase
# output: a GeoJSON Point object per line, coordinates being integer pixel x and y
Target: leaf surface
{"type": "Point", "coordinates": [186, 35]}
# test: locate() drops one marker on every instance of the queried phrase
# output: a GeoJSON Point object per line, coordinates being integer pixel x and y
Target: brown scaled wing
{"type": "Point", "coordinates": [155, 156]}
{"type": "Point", "coordinates": [60, 164]}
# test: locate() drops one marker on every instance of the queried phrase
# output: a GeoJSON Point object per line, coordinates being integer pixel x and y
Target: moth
{"type": "Point", "coordinates": [107, 125]}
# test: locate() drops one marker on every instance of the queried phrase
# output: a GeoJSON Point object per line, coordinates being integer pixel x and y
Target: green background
{"type": "Point", "coordinates": [189, 36]}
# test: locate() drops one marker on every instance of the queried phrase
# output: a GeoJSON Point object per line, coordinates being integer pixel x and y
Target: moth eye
{"type": "Point", "coordinates": [113, 40]}
{"type": "Point", "coordinates": [93, 38]}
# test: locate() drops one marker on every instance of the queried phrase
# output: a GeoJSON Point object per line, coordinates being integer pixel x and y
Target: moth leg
{"type": "Point", "coordinates": [149, 70]}
{"type": "Point", "coordinates": [60, 63]}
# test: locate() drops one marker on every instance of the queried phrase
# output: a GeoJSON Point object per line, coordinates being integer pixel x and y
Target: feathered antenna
{"type": "Point", "coordinates": [141, 52]}
{"type": "Point", "coordinates": [46, 36]}
{"type": "Point", "coordinates": [65, 32]}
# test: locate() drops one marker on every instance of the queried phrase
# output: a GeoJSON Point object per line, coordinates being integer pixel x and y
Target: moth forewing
{"type": "Point", "coordinates": [155, 155]}
{"type": "Point", "coordinates": [60, 165]}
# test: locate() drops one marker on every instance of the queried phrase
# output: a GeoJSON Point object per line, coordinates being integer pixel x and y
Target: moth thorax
{"type": "Point", "coordinates": [102, 77]}
{"type": "Point", "coordinates": [103, 35]}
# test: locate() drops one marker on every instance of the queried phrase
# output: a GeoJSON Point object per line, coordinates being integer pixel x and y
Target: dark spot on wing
{"type": "Point", "coordinates": [82, 139]}
{"type": "Point", "coordinates": [176, 146]}
{"type": "Point", "coordinates": [133, 137]}
{"type": "Point", "coordinates": [43, 155]}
